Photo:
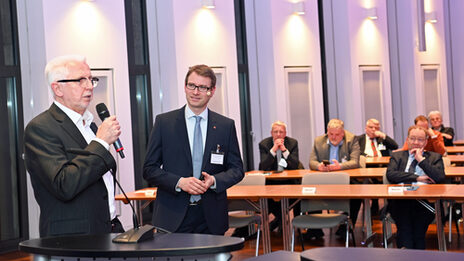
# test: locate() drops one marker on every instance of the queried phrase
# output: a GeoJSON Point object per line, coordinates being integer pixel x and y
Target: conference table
{"type": "Point", "coordinates": [383, 161]}
{"type": "Point", "coordinates": [454, 149]}
{"type": "Point", "coordinates": [359, 173]}
{"type": "Point", "coordinates": [435, 192]}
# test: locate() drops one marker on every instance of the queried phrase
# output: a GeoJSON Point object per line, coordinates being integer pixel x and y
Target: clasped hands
{"type": "Point", "coordinates": [279, 144]}
{"type": "Point", "coordinates": [334, 166]}
{"type": "Point", "coordinates": [196, 186]}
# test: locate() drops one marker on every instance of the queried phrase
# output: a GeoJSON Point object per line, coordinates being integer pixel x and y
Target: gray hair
{"type": "Point", "coordinates": [335, 124]}
{"type": "Point", "coordinates": [434, 112]}
{"type": "Point", "coordinates": [57, 68]}
{"type": "Point", "coordinates": [279, 123]}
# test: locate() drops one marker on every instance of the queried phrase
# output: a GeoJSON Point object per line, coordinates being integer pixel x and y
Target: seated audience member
{"type": "Point", "coordinates": [375, 143]}
{"type": "Point", "coordinates": [277, 153]}
{"type": "Point", "coordinates": [341, 149]}
{"type": "Point", "coordinates": [378, 143]}
{"type": "Point", "coordinates": [411, 217]}
{"type": "Point", "coordinates": [437, 124]}
{"type": "Point", "coordinates": [435, 141]}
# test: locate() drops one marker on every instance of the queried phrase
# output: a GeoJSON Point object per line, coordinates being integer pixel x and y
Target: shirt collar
{"type": "Point", "coordinates": [339, 144]}
{"type": "Point", "coordinates": [189, 113]}
{"type": "Point", "coordinates": [75, 117]}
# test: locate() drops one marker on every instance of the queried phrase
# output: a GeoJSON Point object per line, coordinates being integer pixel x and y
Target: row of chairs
{"type": "Point", "coordinates": [337, 209]}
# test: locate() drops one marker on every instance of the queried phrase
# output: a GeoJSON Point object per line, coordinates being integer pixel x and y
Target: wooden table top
{"type": "Point", "coordinates": [348, 191]}
{"type": "Point", "coordinates": [375, 161]}
{"type": "Point", "coordinates": [454, 149]}
{"type": "Point", "coordinates": [353, 191]}
{"type": "Point", "coordinates": [354, 173]}
{"type": "Point", "coordinates": [458, 142]}
{"type": "Point", "coordinates": [370, 161]}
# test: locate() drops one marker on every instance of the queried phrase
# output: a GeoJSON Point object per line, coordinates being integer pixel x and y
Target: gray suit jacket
{"type": "Point", "coordinates": [68, 188]}
{"type": "Point", "coordinates": [348, 153]}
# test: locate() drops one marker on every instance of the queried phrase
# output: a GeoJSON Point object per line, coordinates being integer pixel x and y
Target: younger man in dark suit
{"type": "Point", "coordinates": [415, 165]}
{"type": "Point", "coordinates": [75, 192]}
{"type": "Point", "coordinates": [193, 158]}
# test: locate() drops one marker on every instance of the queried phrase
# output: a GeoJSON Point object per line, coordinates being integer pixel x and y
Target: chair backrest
{"type": "Point", "coordinates": [248, 180]}
{"type": "Point", "coordinates": [325, 204]}
{"type": "Point", "coordinates": [253, 179]}
{"type": "Point", "coordinates": [446, 162]}
{"type": "Point", "coordinates": [362, 161]}
{"type": "Point", "coordinates": [384, 178]}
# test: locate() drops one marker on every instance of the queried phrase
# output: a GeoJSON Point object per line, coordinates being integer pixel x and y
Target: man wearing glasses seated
{"type": "Point", "coordinates": [412, 217]}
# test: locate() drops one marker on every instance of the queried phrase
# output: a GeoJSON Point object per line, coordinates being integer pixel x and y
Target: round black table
{"type": "Point", "coordinates": [162, 245]}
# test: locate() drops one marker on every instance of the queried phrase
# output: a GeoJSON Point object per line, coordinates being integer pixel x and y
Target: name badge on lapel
{"type": "Point", "coordinates": [217, 157]}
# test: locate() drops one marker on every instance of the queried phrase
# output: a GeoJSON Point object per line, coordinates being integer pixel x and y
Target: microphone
{"type": "Point", "coordinates": [138, 233]}
{"type": "Point", "coordinates": [103, 113]}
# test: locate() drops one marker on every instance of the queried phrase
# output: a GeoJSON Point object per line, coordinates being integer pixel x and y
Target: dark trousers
{"type": "Point", "coordinates": [194, 221]}
{"type": "Point", "coordinates": [116, 226]}
{"type": "Point", "coordinates": [355, 205]}
{"type": "Point", "coordinates": [412, 220]}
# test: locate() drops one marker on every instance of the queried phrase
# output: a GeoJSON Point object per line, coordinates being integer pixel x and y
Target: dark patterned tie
{"type": "Point", "coordinates": [412, 167]}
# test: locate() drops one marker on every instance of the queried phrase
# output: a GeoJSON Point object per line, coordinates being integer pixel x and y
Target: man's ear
{"type": "Point", "coordinates": [57, 89]}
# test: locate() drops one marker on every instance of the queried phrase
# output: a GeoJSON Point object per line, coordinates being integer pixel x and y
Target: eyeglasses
{"type": "Point", "coordinates": [414, 139]}
{"type": "Point", "coordinates": [201, 88]}
{"type": "Point", "coordinates": [82, 81]}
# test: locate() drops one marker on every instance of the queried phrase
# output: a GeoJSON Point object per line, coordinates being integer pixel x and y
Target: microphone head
{"type": "Point", "coordinates": [208, 93]}
{"type": "Point", "coordinates": [102, 111]}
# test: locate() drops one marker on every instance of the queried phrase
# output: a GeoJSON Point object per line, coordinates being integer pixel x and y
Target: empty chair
{"type": "Point", "coordinates": [340, 208]}
{"type": "Point", "coordinates": [242, 220]}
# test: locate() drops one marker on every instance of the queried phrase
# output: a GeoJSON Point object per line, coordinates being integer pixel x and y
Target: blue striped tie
{"type": "Point", "coordinates": [197, 157]}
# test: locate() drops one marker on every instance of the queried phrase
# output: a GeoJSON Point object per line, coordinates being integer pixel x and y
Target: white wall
{"type": "Point", "coordinates": [185, 34]}
{"type": "Point", "coordinates": [352, 41]}
{"type": "Point", "coordinates": [277, 38]}
{"type": "Point", "coordinates": [455, 58]}
{"type": "Point", "coordinates": [95, 29]}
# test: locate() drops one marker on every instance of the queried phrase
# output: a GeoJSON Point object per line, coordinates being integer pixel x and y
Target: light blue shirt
{"type": "Point", "coordinates": [333, 154]}
{"type": "Point", "coordinates": [190, 122]}
{"type": "Point", "coordinates": [418, 171]}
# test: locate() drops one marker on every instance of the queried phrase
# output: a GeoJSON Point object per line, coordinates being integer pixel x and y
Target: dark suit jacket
{"type": "Point", "coordinates": [389, 143]}
{"type": "Point", "coordinates": [68, 188]}
{"type": "Point", "coordinates": [432, 166]}
{"type": "Point", "coordinates": [449, 131]}
{"type": "Point", "coordinates": [269, 162]}
{"type": "Point", "coordinates": [169, 158]}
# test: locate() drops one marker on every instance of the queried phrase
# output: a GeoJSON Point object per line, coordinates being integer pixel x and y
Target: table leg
{"type": "Point", "coordinates": [265, 225]}
{"type": "Point", "coordinates": [286, 227]}
{"type": "Point", "coordinates": [367, 219]}
{"type": "Point", "coordinates": [440, 232]}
